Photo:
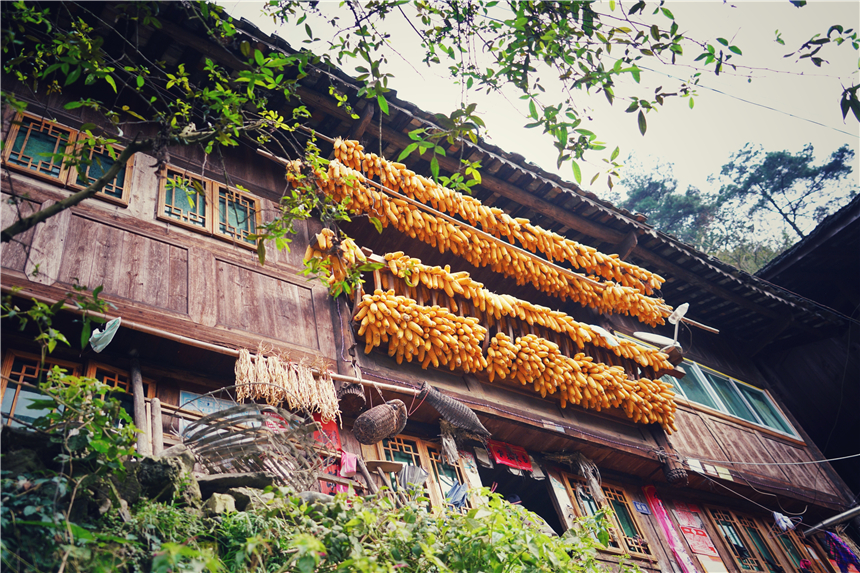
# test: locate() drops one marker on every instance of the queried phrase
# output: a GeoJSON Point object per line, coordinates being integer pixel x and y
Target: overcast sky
{"type": "Point", "coordinates": [797, 102]}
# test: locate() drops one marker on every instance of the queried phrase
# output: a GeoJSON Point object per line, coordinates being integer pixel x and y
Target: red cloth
{"type": "Point", "coordinates": [329, 438]}
{"type": "Point", "coordinates": [509, 455]}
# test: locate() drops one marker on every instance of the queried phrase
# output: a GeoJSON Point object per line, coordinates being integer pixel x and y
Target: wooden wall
{"type": "Point", "coordinates": [170, 277]}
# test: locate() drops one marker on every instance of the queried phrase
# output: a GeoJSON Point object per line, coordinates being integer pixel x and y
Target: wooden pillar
{"type": "Point", "coordinates": [157, 428]}
{"type": "Point", "coordinates": [143, 445]}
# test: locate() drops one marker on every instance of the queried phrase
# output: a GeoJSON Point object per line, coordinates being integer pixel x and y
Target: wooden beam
{"type": "Point", "coordinates": [626, 246]}
{"type": "Point", "coordinates": [357, 129]}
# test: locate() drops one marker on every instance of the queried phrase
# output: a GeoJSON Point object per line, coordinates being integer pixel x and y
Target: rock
{"type": "Point", "coordinates": [128, 488]}
{"type": "Point", "coordinates": [315, 497]}
{"type": "Point", "coordinates": [22, 462]}
{"type": "Point", "coordinates": [219, 503]}
{"type": "Point", "coordinates": [180, 452]}
{"type": "Point", "coordinates": [250, 499]}
{"type": "Point", "coordinates": [221, 483]}
{"type": "Point", "coordinates": [169, 477]}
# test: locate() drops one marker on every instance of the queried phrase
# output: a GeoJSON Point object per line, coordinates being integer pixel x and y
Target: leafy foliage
{"type": "Point", "coordinates": [767, 201]}
{"type": "Point", "coordinates": [349, 534]}
{"type": "Point", "coordinates": [786, 185]}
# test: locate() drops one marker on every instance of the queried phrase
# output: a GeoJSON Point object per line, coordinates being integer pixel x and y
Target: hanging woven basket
{"type": "Point", "coordinates": [458, 414]}
{"type": "Point", "coordinates": [675, 474]}
{"type": "Point", "coordinates": [380, 422]}
{"type": "Point", "coordinates": [351, 398]}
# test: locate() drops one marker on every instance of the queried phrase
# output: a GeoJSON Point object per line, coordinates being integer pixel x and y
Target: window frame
{"type": "Point", "coordinates": [433, 487]}
{"type": "Point", "coordinates": [129, 166]}
{"type": "Point", "coordinates": [9, 360]}
{"type": "Point", "coordinates": [212, 200]}
{"type": "Point", "coordinates": [68, 177]}
{"type": "Point", "coordinates": [616, 532]}
{"type": "Point", "coordinates": [697, 370]}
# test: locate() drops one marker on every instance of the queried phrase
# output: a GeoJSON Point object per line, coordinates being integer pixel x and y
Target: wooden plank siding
{"type": "Point", "coordinates": [169, 277]}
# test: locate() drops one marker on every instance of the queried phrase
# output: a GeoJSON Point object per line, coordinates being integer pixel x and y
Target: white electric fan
{"type": "Point", "coordinates": [665, 341]}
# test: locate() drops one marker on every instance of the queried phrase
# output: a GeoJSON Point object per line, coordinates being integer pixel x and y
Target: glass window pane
{"type": "Point", "coordinates": [694, 387]}
{"type": "Point", "coordinates": [730, 397]}
{"type": "Point", "coordinates": [237, 215]}
{"type": "Point", "coordinates": [765, 409]}
{"type": "Point", "coordinates": [791, 549]}
{"type": "Point", "coordinates": [183, 200]}
{"type": "Point", "coordinates": [23, 408]}
{"type": "Point", "coordinates": [625, 520]}
{"type": "Point", "coordinates": [743, 556]}
{"type": "Point", "coordinates": [34, 145]}
{"type": "Point", "coordinates": [753, 533]}
{"type": "Point", "coordinates": [101, 163]}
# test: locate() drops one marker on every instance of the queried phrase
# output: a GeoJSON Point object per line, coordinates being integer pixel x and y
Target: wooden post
{"type": "Point", "coordinates": [157, 428]}
{"type": "Point", "coordinates": [143, 446]}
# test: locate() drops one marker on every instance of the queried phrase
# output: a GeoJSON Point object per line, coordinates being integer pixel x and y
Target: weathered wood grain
{"type": "Point", "coordinates": [15, 252]}
{"type": "Point", "coordinates": [46, 248]}
{"type": "Point", "coordinates": [694, 439]}
{"type": "Point", "coordinates": [742, 445]}
{"type": "Point", "coordinates": [202, 304]}
{"type": "Point", "coordinates": [125, 264]}
{"type": "Point", "coordinates": [808, 475]}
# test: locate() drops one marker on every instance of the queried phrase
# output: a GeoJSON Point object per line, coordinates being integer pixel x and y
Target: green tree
{"type": "Point", "coordinates": [786, 186]}
{"type": "Point", "coordinates": [655, 194]}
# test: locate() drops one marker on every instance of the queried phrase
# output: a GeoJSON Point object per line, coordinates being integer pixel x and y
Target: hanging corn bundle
{"type": "Point", "coordinates": [342, 182]}
{"type": "Point", "coordinates": [493, 220]}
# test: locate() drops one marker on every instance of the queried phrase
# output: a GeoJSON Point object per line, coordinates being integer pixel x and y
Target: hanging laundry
{"type": "Point", "coordinates": [840, 552]}
{"type": "Point", "coordinates": [348, 467]}
{"type": "Point", "coordinates": [510, 455]}
{"type": "Point", "coordinates": [456, 496]}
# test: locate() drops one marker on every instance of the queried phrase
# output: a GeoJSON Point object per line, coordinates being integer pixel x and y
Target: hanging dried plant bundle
{"type": "Point", "coordinates": [277, 380]}
{"type": "Point", "coordinates": [329, 407]}
{"type": "Point", "coordinates": [243, 370]}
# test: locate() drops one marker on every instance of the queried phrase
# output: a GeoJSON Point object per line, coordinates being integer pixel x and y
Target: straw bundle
{"type": "Point", "coordinates": [278, 380]}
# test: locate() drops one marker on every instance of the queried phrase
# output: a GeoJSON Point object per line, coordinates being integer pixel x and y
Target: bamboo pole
{"type": "Point", "coordinates": [157, 427]}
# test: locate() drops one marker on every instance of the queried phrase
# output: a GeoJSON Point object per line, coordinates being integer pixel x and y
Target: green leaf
{"type": "Point", "coordinates": [723, 41]}
{"type": "Point", "coordinates": [376, 223]}
{"type": "Point", "coordinates": [736, 50]}
{"type": "Point", "coordinates": [692, 103]}
{"type": "Point", "coordinates": [577, 174]}
{"type": "Point", "coordinates": [85, 334]}
{"type": "Point", "coordinates": [634, 71]}
{"type": "Point", "coordinates": [258, 57]}
{"type": "Point", "coordinates": [643, 125]}
{"type": "Point", "coordinates": [261, 251]}
{"type": "Point", "coordinates": [245, 48]}
{"type": "Point", "coordinates": [383, 104]}
{"type": "Point", "coordinates": [434, 167]}
{"type": "Point", "coordinates": [533, 109]}
{"type": "Point", "coordinates": [409, 149]}
{"type": "Point", "coordinates": [615, 154]}
{"type": "Point", "coordinates": [667, 13]}
{"type": "Point", "coordinates": [111, 81]}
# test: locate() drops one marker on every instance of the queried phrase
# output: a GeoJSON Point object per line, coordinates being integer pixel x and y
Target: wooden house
{"type": "Point", "coordinates": [186, 282]}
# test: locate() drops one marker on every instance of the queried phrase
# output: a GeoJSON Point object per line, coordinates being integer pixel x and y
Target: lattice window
{"type": "Point", "coordinates": [35, 142]}
{"type": "Point", "coordinates": [22, 375]}
{"type": "Point", "coordinates": [184, 198]}
{"type": "Point", "coordinates": [237, 215]}
{"type": "Point", "coordinates": [446, 475]}
{"type": "Point", "coordinates": [753, 533]}
{"type": "Point", "coordinates": [99, 161]}
{"type": "Point", "coordinates": [741, 551]}
{"type": "Point", "coordinates": [209, 207]}
{"type": "Point", "coordinates": [628, 527]}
